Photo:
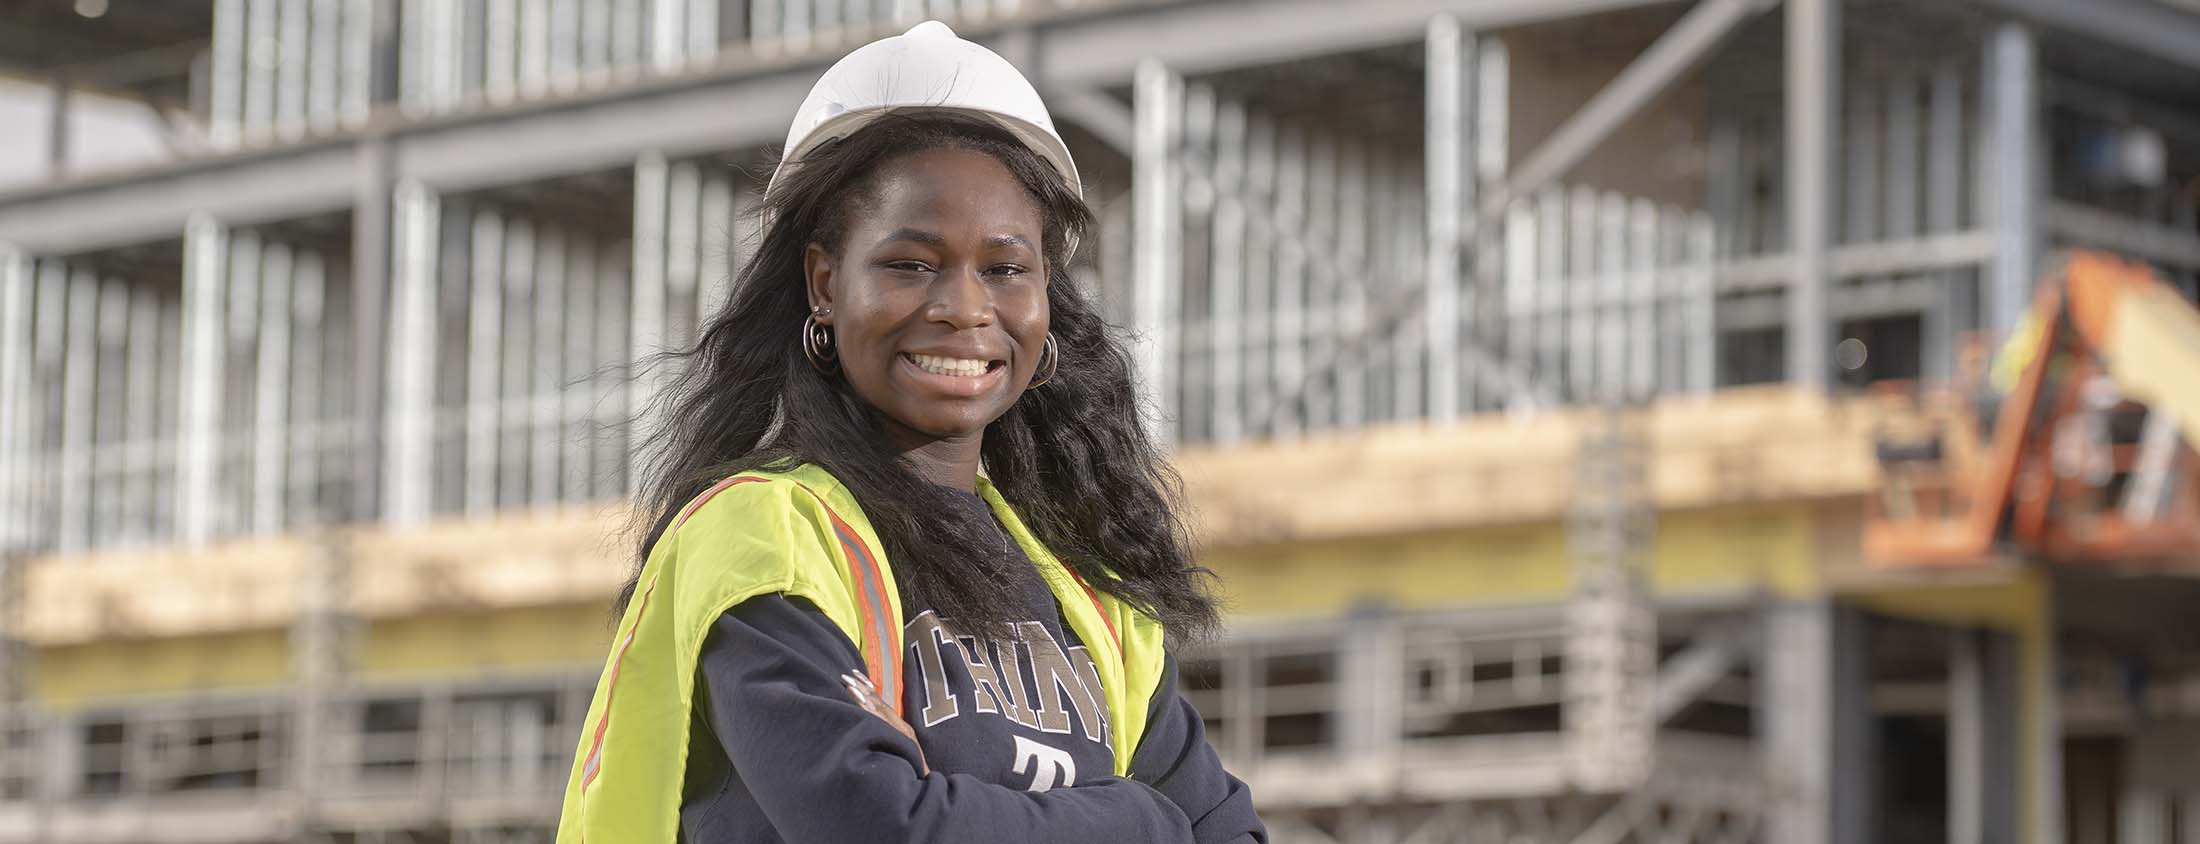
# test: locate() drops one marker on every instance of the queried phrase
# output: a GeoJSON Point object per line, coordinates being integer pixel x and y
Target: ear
{"type": "Point", "coordinates": [817, 278]}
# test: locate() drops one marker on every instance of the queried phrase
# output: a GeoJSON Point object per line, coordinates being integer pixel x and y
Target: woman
{"type": "Point", "coordinates": [841, 630]}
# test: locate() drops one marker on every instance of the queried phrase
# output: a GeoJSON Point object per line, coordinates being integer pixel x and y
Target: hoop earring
{"type": "Point", "coordinates": [817, 342]}
{"type": "Point", "coordinates": [1050, 357]}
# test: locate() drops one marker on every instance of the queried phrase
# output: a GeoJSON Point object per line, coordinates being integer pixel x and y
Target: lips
{"type": "Point", "coordinates": [953, 376]}
{"type": "Point", "coordinates": [947, 365]}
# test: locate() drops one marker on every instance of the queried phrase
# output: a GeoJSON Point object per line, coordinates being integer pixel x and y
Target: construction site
{"type": "Point", "coordinates": [1610, 421]}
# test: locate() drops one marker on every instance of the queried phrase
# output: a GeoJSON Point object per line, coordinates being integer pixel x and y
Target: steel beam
{"type": "Point", "coordinates": [155, 205]}
{"type": "Point", "coordinates": [1813, 100]}
{"type": "Point", "coordinates": [1797, 671]}
{"type": "Point", "coordinates": [1945, 317]}
{"type": "Point", "coordinates": [652, 176]}
{"type": "Point", "coordinates": [1106, 117]}
{"type": "Point", "coordinates": [271, 416]}
{"type": "Point", "coordinates": [1981, 785]}
{"type": "Point", "coordinates": [1450, 187]}
{"type": "Point", "coordinates": [372, 188]}
{"type": "Point", "coordinates": [79, 396]}
{"type": "Point", "coordinates": [1193, 38]}
{"type": "Point", "coordinates": [205, 248]}
{"type": "Point", "coordinates": [734, 104]}
{"type": "Point", "coordinates": [2039, 730]}
{"type": "Point", "coordinates": [1157, 97]}
{"type": "Point", "coordinates": [1966, 739]}
{"type": "Point", "coordinates": [15, 416]}
{"type": "Point", "coordinates": [2011, 106]}
{"type": "Point", "coordinates": [2132, 236]}
{"type": "Point", "coordinates": [409, 419]}
{"type": "Point", "coordinates": [2156, 29]}
{"type": "Point", "coordinates": [1687, 674]}
{"type": "Point", "coordinates": [1682, 47]}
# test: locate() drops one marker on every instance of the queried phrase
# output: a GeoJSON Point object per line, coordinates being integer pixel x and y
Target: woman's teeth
{"type": "Point", "coordinates": [958, 367]}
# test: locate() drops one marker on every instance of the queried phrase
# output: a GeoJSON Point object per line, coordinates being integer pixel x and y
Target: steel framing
{"type": "Point", "coordinates": [1485, 287]}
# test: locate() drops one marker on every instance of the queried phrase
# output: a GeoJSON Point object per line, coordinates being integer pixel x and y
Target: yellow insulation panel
{"type": "Point", "coordinates": [520, 639]}
{"type": "Point", "coordinates": [1774, 548]}
{"type": "Point", "coordinates": [69, 677]}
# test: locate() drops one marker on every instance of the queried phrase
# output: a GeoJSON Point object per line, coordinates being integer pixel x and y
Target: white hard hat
{"type": "Point", "coordinates": [927, 68]}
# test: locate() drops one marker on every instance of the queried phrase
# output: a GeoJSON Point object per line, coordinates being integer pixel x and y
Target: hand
{"type": "Point", "coordinates": [867, 696]}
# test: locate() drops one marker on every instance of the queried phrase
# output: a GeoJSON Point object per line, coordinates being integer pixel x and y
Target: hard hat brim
{"type": "Point", "coordinates": [842, 125]}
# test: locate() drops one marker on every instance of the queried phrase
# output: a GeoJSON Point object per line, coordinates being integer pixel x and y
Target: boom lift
{"type": "Point", "coordinates": [2090, 458]}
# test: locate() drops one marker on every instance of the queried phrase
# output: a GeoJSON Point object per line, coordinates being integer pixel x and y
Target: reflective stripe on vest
{"type": "Point", "coordinates": [625, 783]}
{"type": "Point", "coordinates": [881, 647]}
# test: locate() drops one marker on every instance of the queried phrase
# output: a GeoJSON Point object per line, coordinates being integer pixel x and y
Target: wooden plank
{"type": "Point", "coordinates": [1734, 449]}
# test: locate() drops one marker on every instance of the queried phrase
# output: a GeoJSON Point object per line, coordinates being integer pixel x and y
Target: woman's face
{"type": "Point", "coordinates": [938, 292]}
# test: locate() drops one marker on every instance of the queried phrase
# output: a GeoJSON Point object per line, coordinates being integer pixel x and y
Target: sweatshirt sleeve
{"type": "Point", "coordinates": [1173, 756]}
{"type": "Point", "coordinates": [821, 769]}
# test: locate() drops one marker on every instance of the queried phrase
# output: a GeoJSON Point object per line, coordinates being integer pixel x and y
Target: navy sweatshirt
{"type": "Point", "coordinates": [1015, 735]}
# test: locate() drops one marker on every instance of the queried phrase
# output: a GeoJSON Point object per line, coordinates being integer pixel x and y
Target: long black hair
{"type": "Point", "coordinates": [1071, 456]}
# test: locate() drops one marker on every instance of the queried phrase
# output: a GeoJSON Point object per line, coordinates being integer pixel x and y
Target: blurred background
{"type": "Point", "coordinates": [1612, 420]}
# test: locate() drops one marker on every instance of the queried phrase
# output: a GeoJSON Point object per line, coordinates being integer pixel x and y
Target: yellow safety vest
{"type": "Point", "coordinates": [797, 533]}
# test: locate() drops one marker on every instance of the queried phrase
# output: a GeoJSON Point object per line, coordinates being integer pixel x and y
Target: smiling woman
{"type": "Point", "coordinates": [913, 569]}
{"type": "Point", "coordinates": [937, 297]}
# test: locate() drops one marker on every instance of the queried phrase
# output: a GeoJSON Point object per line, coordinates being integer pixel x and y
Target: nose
{"type": "Point", "coordinates": [960, 299]}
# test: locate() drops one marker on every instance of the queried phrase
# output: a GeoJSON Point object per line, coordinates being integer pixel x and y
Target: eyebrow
{"type": "Point", "coordinates": [915, 236]}
{"type": "Point", "coordinates": [935, 239]}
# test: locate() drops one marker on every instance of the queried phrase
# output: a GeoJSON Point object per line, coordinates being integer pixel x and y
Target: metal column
{"type": "Point", "coordinates": [80, 362]}
{"type": "Point", "coordinates": [1816, 728]}
{"type": "Point", "coordinates": [408, 420]}
{"type": "Point", "coordinates": [1153, 176]}
{"type": "Point", "coordinates": [205, 259]}
{"type": "Point", "coordinates": [2011, 97]}
{"type": "Point", "coordinates": [1945, 320]}
{"type": "Point", "coordinates": [1450, 189]}
{"type": "Point", "coordinates": [1981, 715]}
{"type": "Point", "coordinates": [270, 427]}
{"type": "Point", "coordinates": [1492, 106]}
{"type": "Point", "coordinates": [370, 284]}
{"type": "Point", "coordinates": [652, 177]}
{"type": "Point", "coordinates": [15, 403]}
{"type": "Point", "coordinates": [1372, 693]}
{"type": "Point", "coordinates": [225, 111]}
{"type": "Point", "coordinates": [483, 342]}
{"type": "Point", "coordinates": [1813, 95]}
{"type": "Point", "coordinates": [2041, 730]}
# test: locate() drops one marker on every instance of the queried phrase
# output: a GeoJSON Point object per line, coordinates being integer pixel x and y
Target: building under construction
{"type": "Point", "coordinates": [1552, 380]}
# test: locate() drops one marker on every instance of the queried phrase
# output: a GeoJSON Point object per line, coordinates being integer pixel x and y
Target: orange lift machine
{"type": "Point", "coordinates": [2077, 449]}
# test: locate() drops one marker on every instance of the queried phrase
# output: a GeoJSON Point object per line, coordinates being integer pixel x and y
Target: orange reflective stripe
{"type": "Point", "coordinates": [707, 495]}
{"type": "Point", "coordinates": [594, 764]}
{"type": "Point", "coordinates": [611, 686]}
{"type": "Point", "coordinates": [1104, 618]}
{"type": "Point", "coordinates": [881, 638]}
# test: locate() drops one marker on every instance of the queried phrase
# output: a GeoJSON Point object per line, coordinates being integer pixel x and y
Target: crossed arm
{"type": "Point", "coordinates": [821, 768]}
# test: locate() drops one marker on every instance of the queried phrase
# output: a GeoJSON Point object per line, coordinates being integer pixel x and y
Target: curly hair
{"type": "Point", "coordinates": [1072, 456]}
